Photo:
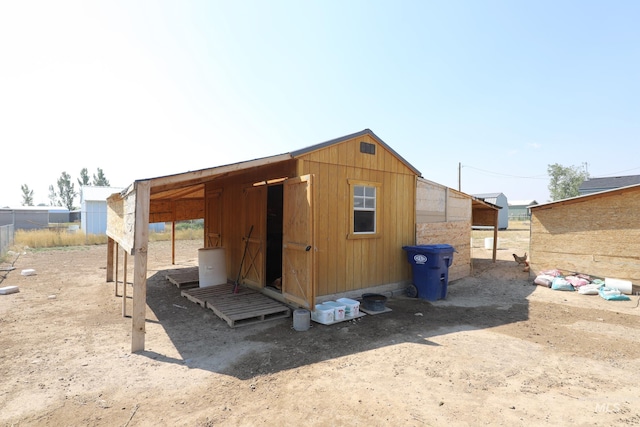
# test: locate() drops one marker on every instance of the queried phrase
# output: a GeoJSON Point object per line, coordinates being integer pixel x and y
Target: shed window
{"type": "Point", "coordinates": [364, 209]}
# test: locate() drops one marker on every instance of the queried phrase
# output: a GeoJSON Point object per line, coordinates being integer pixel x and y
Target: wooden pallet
{"type": "Point", "coordinates": [184, 278]}
{"type": "Point", "coordinates": [245, 307]}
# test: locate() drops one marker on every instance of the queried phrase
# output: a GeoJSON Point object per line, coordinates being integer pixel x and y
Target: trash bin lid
{"type": "Point", "coordinates": [430, 248]}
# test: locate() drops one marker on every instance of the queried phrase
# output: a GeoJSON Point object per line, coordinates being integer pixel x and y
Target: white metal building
{"type": "Point", "coordinates": [93, 208]}
{"type": "Point", "coordinates": [500, 200]}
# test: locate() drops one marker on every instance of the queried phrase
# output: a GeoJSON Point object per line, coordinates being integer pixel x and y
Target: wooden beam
{"type": "Point", "coordinates": [110, 245]}
{"type": "Point", "coordinates": [117, 264]}
{"type": "Point", "coordinates": [495, 235]}
{"type": "Point", "coordinates": [141, 242]}
{"type": "Point", "coordinates": [124, 286]}
{"type": "Point", "coordinates": [173, 242]}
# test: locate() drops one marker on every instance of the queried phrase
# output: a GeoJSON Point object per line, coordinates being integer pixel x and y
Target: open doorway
{"type": "Point", "coordinates": [274, 236]}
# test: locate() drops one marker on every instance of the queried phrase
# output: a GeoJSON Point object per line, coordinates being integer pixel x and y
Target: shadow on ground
{"type": "Point", "coordinates": [496, 294]}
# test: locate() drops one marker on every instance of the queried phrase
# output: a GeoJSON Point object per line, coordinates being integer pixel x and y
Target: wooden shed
{"type": "Point", "coordinates": [328, 220]}
{"type": "Point", "coordinates": [596, 234]}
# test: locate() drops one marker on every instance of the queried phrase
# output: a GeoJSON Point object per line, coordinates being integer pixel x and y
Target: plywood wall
{"type": "Point", "coordinates": [121, 219]}
{"type": "Point", "coordinates": [597, 235]}
{"type": "Point", "coordinates": [456, 234]}
{"type": "Point", "coordinates": [178, 210]}
{"type": "Point", "coordinates": [443, 215]}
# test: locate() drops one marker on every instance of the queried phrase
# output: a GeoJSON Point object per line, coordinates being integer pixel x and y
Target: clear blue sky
{"type": "Point", "coordinates": [146, 89]}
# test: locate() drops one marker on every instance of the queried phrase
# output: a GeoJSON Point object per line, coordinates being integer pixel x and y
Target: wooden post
{"type": "Point", "coordinates": [117, 264]}
{"type": "Point", "coordinates": [124, 286]}
{"type": "Point", "coordinates": [173, 242]}
{"type": "Point", "coordinates": [110, 245]}
{"type": "Point", "coordinates": [141, 241]}
{"type": "Point", "coordinates": [495, 235]}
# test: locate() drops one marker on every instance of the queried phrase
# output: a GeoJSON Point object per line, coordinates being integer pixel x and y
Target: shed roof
{"type": "Point", "coordinates": [37, 208]}
{"type": "Point", "coordinates": [489, 197]}
{"type": "Point", "coordinates": [607, 183]}
{"type": "Point", "coordinates": [599, 194]}
{"type": "Point", "coordinates": [523, 203]}
{"type": "Point", "coordinates": [190, 185]}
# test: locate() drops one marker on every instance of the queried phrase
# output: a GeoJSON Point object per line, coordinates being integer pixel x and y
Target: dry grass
{"type": "Point", "coordinates": [61, 237]}
{"type": "Point", "coordinates": [515, 237]}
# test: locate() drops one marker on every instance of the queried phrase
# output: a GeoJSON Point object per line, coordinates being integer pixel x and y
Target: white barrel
{"type": "Point", "coordinates": [212, 269]}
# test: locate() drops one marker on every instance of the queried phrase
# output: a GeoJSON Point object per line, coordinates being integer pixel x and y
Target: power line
{"type": "Point", "coordinates": [617, 173]}
{"type": "Point", "coordinates": [545, 176]}
{"type": "Point", "coordinates": [541, 176]}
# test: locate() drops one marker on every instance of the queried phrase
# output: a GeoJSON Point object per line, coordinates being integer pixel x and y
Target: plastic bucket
{"type": "Point", "coordinates": [339, 309]}
{"type": "Point", "coordinates": [301, 319]}
{"type": "Point", "coordinates": [323, 314]}
{"type": "Point", "coordinates": [352, 307]}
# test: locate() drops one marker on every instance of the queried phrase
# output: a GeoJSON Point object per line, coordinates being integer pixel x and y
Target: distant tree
{"type": "Point", "coordinates": [84, 177]}
{"type": "Point", "coordinates": [100, 180]}
{"type": "Point", "coordinates": [27, 195]}
{"type": "Point", "coordinates": [564, 181]}
{"type": "Point", "coordinates": [66, 191]}
{"type": "Point", "coordinates": [53, 197]}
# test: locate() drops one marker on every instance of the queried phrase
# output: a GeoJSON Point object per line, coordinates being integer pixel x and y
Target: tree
{"type": "Point", "coordinates": [84, 177]}
{"type": "Point", "coordinates": [66, 191]}
{"type": "Point", "coordinates": [27, 195]}
{"type": "Point", "coordinates": [100, 180]}
{"type": "Point", "coordinates": [53, 197]}
{"type": "Point", "coordinates": [564, 181]}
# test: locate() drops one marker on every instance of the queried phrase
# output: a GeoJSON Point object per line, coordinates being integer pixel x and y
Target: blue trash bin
{"type": "Point", "coordinates": [430, 269]}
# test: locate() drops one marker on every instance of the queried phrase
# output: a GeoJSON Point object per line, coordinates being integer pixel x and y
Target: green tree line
{"type": "Point", "coordinates": [64, 192]}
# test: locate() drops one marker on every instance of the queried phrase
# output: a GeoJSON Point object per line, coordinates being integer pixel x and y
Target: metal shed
{"type": "Point", "coordinates": [31, 217]}
{"type": "Point", "coordinates": [93, 208]}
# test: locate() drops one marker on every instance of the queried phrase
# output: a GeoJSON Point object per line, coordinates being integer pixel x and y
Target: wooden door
{"type": "Point", "coordinates": [214, 219]}
{"type": "Point", "coordinates": [298, 249]}
{"type": "Point", "coordinates": [254, 220]}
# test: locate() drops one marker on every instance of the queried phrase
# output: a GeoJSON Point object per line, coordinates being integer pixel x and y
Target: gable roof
{"type": "Point", "coordinates": [325, 144]}
{"type": "Point", "coordinates": [607, 183]}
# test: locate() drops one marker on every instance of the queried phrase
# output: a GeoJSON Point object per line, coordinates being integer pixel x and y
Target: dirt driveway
{"type": "Point", "coordinates": [497, 351]}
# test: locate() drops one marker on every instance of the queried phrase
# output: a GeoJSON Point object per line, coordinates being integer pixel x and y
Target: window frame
{"type": "Point", "coordinates": [352, 209]}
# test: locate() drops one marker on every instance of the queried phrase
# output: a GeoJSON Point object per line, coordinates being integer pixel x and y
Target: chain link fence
{"type": "Point", "coordinates": [7, 234]}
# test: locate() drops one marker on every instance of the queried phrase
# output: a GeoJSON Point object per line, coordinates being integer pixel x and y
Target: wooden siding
{"type": "Point", "coordinates": [592, 235]}
{"type": "Point", "coordinates": [177, 210]}
{"type": "Point", "coordinates": [348, 264]}
{"type": "Point", "coordinates": [227, 223]}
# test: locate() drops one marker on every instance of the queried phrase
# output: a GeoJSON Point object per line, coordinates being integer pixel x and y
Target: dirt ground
{"type": "Point", "coordinates": [498, 350]}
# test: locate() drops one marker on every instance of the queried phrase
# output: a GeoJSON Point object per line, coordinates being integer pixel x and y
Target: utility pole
{"type": "Point", "coordinates": [459, 176]}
